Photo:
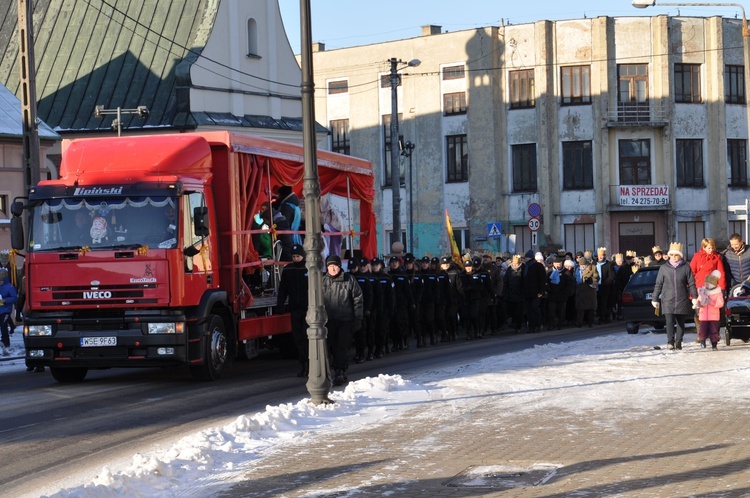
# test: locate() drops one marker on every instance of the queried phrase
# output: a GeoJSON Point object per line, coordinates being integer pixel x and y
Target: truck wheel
{"type": "Point", "coordinates": [215, 354]}
{"type": "Point", "coordinates": [68, 374]}
{"type": "Point", "coordinates": [631, 327]}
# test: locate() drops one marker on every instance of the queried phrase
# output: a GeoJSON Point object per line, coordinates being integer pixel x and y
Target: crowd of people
{"type": "Point", "coordinates": [432, 300]}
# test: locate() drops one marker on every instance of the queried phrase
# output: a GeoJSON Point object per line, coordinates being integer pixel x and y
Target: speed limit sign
{"type": "Point", "coordinates": [534, 224]}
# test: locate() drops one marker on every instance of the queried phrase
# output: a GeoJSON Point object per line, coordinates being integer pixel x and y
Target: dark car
{"type": "Point", "coordinates": [636, 301]}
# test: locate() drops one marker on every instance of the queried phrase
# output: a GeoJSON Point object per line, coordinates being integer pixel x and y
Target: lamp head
{"type": "Point", "coordinates": [414, 63]}
{"type": "Point", "coordinates": [642, 4]}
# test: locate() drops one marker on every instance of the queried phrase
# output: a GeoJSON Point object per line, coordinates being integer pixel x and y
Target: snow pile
{"type": "Point", "coordinates": [215, 457]}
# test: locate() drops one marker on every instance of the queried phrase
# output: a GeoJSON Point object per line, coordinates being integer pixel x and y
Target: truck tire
{"type": "Point", "coordinates": [65, 375]}
{"type": "Point", "coordinates": [215, 353]}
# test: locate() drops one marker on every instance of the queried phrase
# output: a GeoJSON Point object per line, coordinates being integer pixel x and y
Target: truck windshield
{"type": "Point", "coordinates": [104, 223]}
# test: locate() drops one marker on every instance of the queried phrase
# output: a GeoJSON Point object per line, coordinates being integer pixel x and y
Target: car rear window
{"type": "Point", "coordinates": [643, 277]}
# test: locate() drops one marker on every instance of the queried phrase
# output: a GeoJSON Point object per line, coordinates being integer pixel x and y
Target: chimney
{"type": "Point", "coordinates": [431, 29]}
{"type": "Point", "coordinates": [318, 47]}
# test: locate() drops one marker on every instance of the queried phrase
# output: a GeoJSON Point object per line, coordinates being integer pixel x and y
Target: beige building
{"type": "Point", "coordinates": [616, 132]}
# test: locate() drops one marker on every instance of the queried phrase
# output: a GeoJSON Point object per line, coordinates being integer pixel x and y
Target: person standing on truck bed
{"type": "Point", "coordinates": [343, 303]}
{"type": "Point", "coordinates": [293, 285]}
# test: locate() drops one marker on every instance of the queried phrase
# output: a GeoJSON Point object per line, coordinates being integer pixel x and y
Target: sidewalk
{"type": "Point", "coordinates": [16, 351]}
{"type": "Point", "coordinates": [470, 450]}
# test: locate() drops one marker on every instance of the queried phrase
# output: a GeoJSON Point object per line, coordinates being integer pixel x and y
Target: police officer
{"type": "Point", "coordinates": [441, 300]}
{"type": "Point", "coordinates": [293, 285]}
{"type": "Point", "coordinates": [404, 305]}
{"type": "Point", "coordinates": [475, 290]}
{"type": "Point", "coordinates": [363, 280]}
{"type": "Point", "coordinates": [383, 307]}
{"type": "Point", "coordinates": [376, 297]}
{"type": "Point", "coordinates": [416, 284]}
{"type": "Point", "coordinates": [452, 297]}
{"type": "Point", "coordinates": [430, 296]}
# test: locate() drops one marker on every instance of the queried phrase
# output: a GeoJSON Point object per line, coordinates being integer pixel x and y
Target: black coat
{"type": "Point", "coordinates": [342, 297]}
{"type": "Point", "coordinates": [293, 285]}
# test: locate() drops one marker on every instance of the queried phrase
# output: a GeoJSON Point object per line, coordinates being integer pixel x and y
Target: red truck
{"type": "Point", "coordinates": [139, 254]}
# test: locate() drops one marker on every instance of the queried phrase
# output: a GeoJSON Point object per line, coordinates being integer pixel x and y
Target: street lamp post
{"type": "Point", "coordinates": [408, 151]}
{"type": "Point", "coordinates": [642, 4]}
{"type": "Point", "coordinates": [318, 379]}
{"type": "Point", "coordinates": [395, 166]}
{"type": "Point", "coordinates": [141, 111]}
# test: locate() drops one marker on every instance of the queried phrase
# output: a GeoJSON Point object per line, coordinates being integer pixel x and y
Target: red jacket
{"type": "Point", "coordinates": [703, 264]}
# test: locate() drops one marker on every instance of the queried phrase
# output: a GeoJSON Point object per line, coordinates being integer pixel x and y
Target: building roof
{"type": "Point", "coordinates": [11, 118]}
{"type": "Point", "coordinates": [117, 53]}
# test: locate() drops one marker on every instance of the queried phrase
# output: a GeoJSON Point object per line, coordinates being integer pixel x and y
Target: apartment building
{"type": "Point", "coordinates": [617, 132]}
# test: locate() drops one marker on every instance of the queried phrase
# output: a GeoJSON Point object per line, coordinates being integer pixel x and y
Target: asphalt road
{"type": "Point", "coordinates": [49, 431]}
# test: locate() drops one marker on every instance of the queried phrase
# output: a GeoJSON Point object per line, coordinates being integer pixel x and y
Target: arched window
{"type": "Point", "coordinates": [252, 37]}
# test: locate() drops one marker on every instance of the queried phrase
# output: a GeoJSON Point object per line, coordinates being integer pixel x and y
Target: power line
{"type": "Point", "coordinates": [197, 54]}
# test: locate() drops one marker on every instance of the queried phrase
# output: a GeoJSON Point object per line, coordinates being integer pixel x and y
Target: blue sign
{"type": "Point", "coordinates": [535, 210]}
{"type": "Point", "coordinates": [494, 230]}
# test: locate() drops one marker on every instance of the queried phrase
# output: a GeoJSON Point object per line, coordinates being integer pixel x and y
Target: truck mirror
{"type": "Point", "coordinates": [16, 209]}
{"type": "Point", "coordinates": [191, 251]}
{"type": "Point", "coordinates": [16, 233]}
{"type": "Point", "coordinates": [200, 221]}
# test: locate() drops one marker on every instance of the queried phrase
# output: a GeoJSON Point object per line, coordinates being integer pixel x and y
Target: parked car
{"type": "Point", "coordinates": [636, 301]}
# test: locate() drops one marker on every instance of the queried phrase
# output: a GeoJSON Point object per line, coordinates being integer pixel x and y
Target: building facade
{"type": "Point", "coordinates": [617, 132]}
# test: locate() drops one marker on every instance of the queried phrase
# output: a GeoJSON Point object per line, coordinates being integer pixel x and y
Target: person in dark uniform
{"type": "Point", "coordinates": [441, 301]}
{"type": "Point", "coordinates": [404, 305]}
{"type": "Point", "coordinates": [416, 285]}
{"type": "Point", "coordinates": [475, 288]}
{"type": "Point", "coordinates": [384, 309]}
{"type": "Point", "coordinates": [369, 324]}
{"type": "Point", "coordinates": [343, 303]}
{"type": "Point", "coordinates": [430, 295]}
{"type": "Point", "coordinates": [452, 297]}
{"type": "Point", "coordinates": [360, 343]}
{"type": "Point", "coordinates": [293, 286]}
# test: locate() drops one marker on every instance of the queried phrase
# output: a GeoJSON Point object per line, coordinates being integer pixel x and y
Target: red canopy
{"type": "Point", "coordinates": [339, 174]}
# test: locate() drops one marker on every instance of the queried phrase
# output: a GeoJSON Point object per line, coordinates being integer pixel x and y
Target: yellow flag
{"type": "Point", "coordinates": [455, 253]}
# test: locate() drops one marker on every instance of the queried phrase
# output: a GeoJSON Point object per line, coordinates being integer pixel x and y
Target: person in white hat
{"type": "Point", "coordinates": [675, 284]}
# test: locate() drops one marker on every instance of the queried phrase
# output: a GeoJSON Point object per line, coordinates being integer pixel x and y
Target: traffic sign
{"type": "Point", "coordinates": [535, 210]}
{"type": "Point", "coordinates": [534, 224]}
{"type": "Point", "coordinates": [494, 230]}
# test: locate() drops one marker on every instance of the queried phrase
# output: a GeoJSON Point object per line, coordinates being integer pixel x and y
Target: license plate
{"type": "Point", "coordinates": [648, 295]}
{"type": "Point", "coordinates": [95, 342]}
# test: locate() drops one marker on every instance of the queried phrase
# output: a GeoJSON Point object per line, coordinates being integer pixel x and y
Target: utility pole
{"type": "Point", "coordinates": [395, 164]}
{"type": "Point", "coordinates": [28, 94]}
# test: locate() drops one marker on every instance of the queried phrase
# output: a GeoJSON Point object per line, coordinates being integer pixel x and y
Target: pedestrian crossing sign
{"type": "Point", "coordinates": [494, 230]}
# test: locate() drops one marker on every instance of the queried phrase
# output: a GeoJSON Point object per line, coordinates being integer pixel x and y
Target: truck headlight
{"type": "Point", "coordinates": [37, 330]}
{"type": "Point", "coordinates": [166, 328]}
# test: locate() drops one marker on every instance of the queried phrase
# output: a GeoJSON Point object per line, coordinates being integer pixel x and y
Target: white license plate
{"type": "Point", "coordinates": [648, 295]}
{"type": "Point", "coordinates": [95, 342]}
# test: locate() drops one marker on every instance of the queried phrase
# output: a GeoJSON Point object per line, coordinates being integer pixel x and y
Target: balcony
{"type": "Point", "coordinates": [637, 114]}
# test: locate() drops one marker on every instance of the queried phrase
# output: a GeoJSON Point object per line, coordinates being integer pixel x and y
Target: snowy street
{"type": "Point", "coordinates": [611, 382]}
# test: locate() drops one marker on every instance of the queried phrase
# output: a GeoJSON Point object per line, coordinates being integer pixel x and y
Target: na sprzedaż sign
{"type": "Point", "coordinates": [644, 195]}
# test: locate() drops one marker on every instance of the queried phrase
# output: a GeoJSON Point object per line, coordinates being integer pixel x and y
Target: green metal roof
{"type": "Point", "coordinates": [115, 53]}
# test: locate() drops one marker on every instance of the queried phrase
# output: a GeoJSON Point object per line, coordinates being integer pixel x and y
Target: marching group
{"type": "Point", "coordinates": [379, 305]}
